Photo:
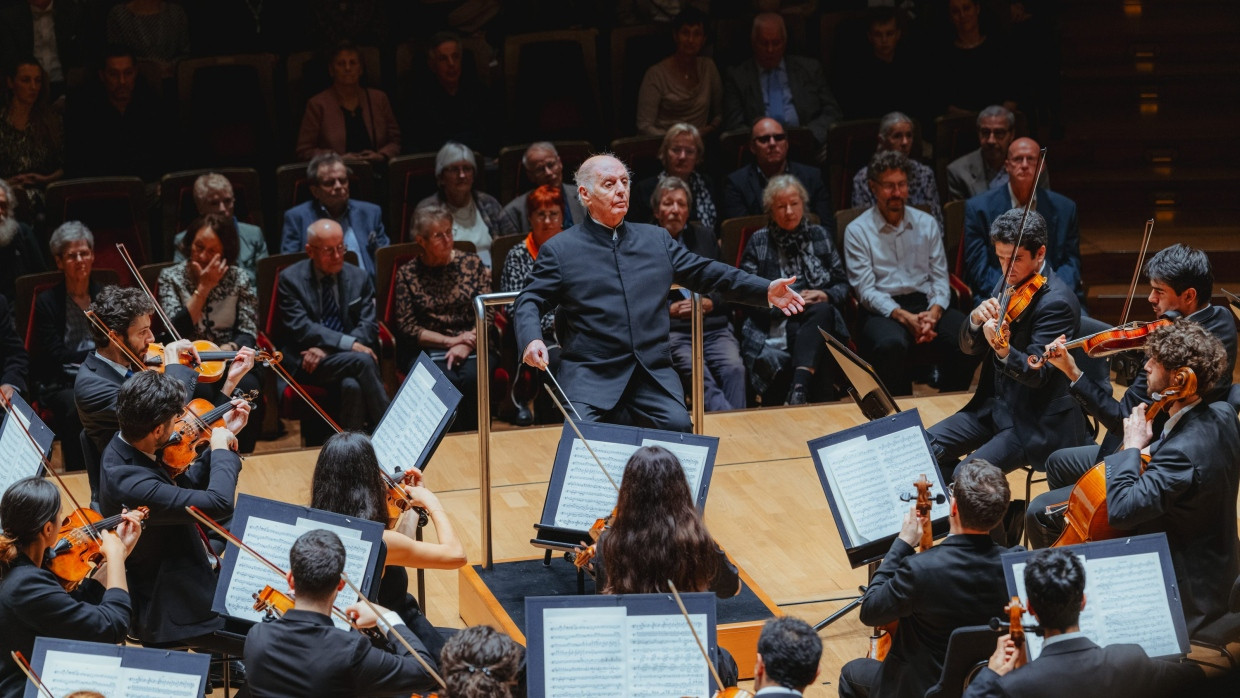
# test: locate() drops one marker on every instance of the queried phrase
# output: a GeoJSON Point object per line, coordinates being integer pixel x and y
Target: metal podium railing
{"type": "Point", "coordinates": [489, 300]}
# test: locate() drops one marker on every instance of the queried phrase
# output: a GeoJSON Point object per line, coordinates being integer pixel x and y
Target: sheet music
{"type": "Point", "coordinates": [664, 659]}
{"type": "Point", "coordinates": [692, 458]}
{"type": "Point", "coordinates": [906, 458]}
{"type": "Point", "coordinates": [410, 422]}
{"type": "Point", "coordinates": [19, 457]}
{"type": "Point", "coordinates": [66, 672]}
{"type": "Point", "coordinates": [148, 683]}
{"type": "Point", "coordinates": [587, 495]}
{"type": "Point", "coordinates": [583, 652]}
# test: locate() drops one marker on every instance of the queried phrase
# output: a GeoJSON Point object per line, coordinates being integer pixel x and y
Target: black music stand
{"type": "Point", "coordinates": [864, 385]}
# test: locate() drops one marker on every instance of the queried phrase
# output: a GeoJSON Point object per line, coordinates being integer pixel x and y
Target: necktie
{"type": "Point", "coordinates": [331, 309]}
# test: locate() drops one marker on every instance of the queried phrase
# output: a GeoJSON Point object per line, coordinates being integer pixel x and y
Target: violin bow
{"type": "Point", "coordinates": [1136, 273]}
{"type": "Point", "coordinates": [392, 631]}
{"type": "Point", "coordinates": [1020, 234]}
{"type": "Point", "coordinates": [137, 277]}
{"type": "Point", "coordinates": [557, 387]}
{"type": "Point", "coordinates": [581, 436]}
{"type": "Point", "coordinates": [685, 612]}
{"type": "Point", "coordinates": [30, 673]}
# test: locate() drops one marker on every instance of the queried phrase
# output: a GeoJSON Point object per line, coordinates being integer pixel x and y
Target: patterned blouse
{"type": "Point", "coordinates": [518, 266]}
{"type": "Point", "coordinates": [230, 313]}
{"type": "Point", "coordinates": [163, 36]}
{"type": "Point", "coordinates": [439, 299]}
{"type": "Point", "coordinates": [32, 150]}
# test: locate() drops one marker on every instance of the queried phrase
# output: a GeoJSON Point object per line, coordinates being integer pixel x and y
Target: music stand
{"type": "Point", "coordinates": [864, 386]}
{"type": "Point", "coordinates": [1233, 300]}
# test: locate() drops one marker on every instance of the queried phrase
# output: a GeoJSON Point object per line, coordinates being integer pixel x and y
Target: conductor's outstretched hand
{"type": "Point", "coordinates": [781, 295]}
{"type": "Point", "coordinates": [536, 354]}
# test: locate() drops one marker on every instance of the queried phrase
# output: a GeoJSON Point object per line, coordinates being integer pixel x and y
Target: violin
{"type": "Point", "coordinates": [273, 603]}
{"type": "Point", "coordinates": [1014, 301]}
{"type": "Point", "coordinates": [77, 551]}
{"type": "Point", "coordinates": [212, 363]}
{"type": "Point", "coordinates": [585, 555]}
{"type": "Point", "coordinates": [191, 432]}
{"type": "Point", "coordinates": [1131, 335]}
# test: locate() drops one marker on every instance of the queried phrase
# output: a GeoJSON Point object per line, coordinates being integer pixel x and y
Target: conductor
{"type": "Point", "coordinates": [608, 281]}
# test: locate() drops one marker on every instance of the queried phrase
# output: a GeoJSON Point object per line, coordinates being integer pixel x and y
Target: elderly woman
{"type": "Point", "coordinates": [62, 334]}
{"type": "Point", "coordinates": [31, 133]}
{"type": "Point", "coordinates": [349, 117]}
{"type": "Point", "coordinates": [684, 87]}
{"type": "Point", "coordinates": [724, 377]}
{"type": "Point", "coordinates": [790, 246]}
{"type": "Point", "coordinates": [213, 193]}
{"type": "Point", "coordinates": [477, 217]}
{"type": "Point", "coordinates": [681, 152]}
{"type": "Point", "coordinates": [434, 305]}
{"type": "Point", "coordinates": [545, 206]}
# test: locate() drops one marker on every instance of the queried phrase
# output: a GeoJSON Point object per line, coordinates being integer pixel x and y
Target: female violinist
{"type": "Point", "coordinates": [481, 662]}
{"type": "Point", "coordinates": [347, 480]}
{"type": "Point", "coordinates": [32, 601]}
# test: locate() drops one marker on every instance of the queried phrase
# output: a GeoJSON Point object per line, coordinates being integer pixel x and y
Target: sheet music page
{"type": "Point", "coordinates": [19, 457]}
{"type": "Point", "coordinates": [905, 458]}
{"type": "Point", "coordinates": [66, 672]}
{"type": "Point", "coordinates": [148, 683]}
{"type": "Point", "coordinates": [664, 659]}
{"type": "Point", "coordinates": [861, 490]}
{"type": "Point", "coordinates": [410, 422]}
{"type": "Point", "coordinates": [584, 652]}
{"type": "Point", "coordinates": [587, 495]}
{"type": "Point", "coordinates": [692, 458]}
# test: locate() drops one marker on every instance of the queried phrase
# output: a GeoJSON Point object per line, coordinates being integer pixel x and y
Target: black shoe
{"type": "Point", "coordinates": [797, 396]}
{"type": "Point", "coordinates": [524, 416]}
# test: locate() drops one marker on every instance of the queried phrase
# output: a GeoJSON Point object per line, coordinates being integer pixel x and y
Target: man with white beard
{"type": "Point", "coordinates": [19, 250]}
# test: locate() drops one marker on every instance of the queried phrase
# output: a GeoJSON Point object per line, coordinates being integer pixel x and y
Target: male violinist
{"type": "Point", "coordinates": [1181, 283]}
{"type": "Point", "coordinates": [1019, 414]}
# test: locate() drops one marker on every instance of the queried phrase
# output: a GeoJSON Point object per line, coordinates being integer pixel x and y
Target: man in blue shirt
{"type": "Point", "coordinates": [362, 222]}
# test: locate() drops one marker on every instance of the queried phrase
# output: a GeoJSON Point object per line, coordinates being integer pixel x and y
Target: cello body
{"type": "Point", "coordinates": [1086, 518]}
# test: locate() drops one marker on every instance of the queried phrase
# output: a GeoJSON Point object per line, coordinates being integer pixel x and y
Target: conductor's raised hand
{"type": "Point", "coordinates": [781, 295]}
{"type": "Point", "coordinates": [536, 354]}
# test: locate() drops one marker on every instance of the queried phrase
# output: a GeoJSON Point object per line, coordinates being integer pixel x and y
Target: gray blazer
{"type": "Point", "coordinates": [816, 106]}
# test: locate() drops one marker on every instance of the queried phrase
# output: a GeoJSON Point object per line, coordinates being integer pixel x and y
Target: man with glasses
{"type": "Point", "coordinates": [768, 142]}
{"type": "Point", "coordinates": [361, 222]}
{"type": "Point", "coordinates": [330, 331]}
{"type": "Point", "coordinates": [981, 170]}
{"type": "Point", "coordinates": [213, 193]}
{"type": "Point", "coordinates": [543, 168]}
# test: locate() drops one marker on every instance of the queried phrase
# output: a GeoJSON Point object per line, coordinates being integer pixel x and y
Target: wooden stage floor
{"type": "Point", "coordinates": [766, 507]}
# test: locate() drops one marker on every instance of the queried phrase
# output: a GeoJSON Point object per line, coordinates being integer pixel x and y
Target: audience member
{"type": "Point", "coordinates": [973, 63]}
{"type": "Point", "coordinates": [885, 78]}
{"type": "Point", "coordinates": [685, 87]}
{"type": "Point", "coordinates": [898, 269]}
{"type": "Point", "coordinates": [482, 662]}
{"type": "Point", "coordinates": [742, 194]}
{"type": "Point", "coordinates": [981, 170]}
{"type": "Point", "coordinates": [790, 89]}
{"type": "Point", "coordinates": [62, 336]}
{"type": "Point", "coordinates": [435, 306]}
{"type": "Point", "coordinates": [358, 21]}
{"type": "Point", "coordinates": [648, 11]}
{"type": "Point", "coordinates": [117, 125]}
{"type": "Point", "coordinates": [543, 167]}
{"type": "Point", "coordinates": [330, 333]}
{"type": "Point", "coordinates": [57, 35]}
{"type": "Point", "coordinates": [723, 372]}
{"type": "Point", "coordinates": [19, 248]}
{"type": "Point", "coordinates": [349, 117]}
{"type": "Point", "coordinates": [360, 221]}
{"type": "Point", "coordinates": [31, 133]}
{"type": "Point", "coordinates": [476, 216]}
{"type": "Point", "coordinates": [895, 134]}
{"type": "Point", "coordinates": [450, 103]}
{"type": "Point", "coordinates": [681, 151]}
{"type": "Point", "coordinates": [774, 345]}
{"type": "Point", "coordinates": [153, 29]}
{"type": "Point", "coordinates": [13, 358]}
{"type": "Point", "coordinates": [789, 650]}
{"type": "Point", "coordinates": [213, 194]}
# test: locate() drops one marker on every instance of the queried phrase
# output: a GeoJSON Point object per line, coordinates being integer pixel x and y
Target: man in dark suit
{"type": "Point", "coordinates": [1070, 661]}
{"type": "Point", "coordinates": [609, 279]}
{"type": "Point", "coordinates": [1188, 488]}
{"type": "Point", "coordinates": [330, 332]}
{"type": "Point", "coordinates": [304, 654]}
{"type": "Point", "coordinates": [1063, 242]}
{"type": "Point", "coordinates": [361, 222]}
{"type": "Point", "coordinates": [742, 194]}
{"type": "Point", "coordinates": [958, 582]}
{"type": "Point", "coordinates": [1019, 414]}
{"type": "Point", "coordinates": [789, 650]}
{"type": "Point", "coordinates": [171, 580]}
{"type": "Point", "coordinates": [790, 89]}
{"type": "Point", "coordinates": [1182, 283]}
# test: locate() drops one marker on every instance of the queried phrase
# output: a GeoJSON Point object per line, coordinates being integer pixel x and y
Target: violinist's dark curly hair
{"type": "Point", "coordinates": [316, 561]}
{"type": "Point", "coordinates": [1055, 582]}
{"type": "Point", "coordinates": [1006, 229]}
{"type": "Point", "coordinates": [1182, 267]}
{"type": "Point", "coordinates": [1185, 343]}
{"type": "Point", "coordinates": [657, 533]}
{"type": "Point", "coordinates": [982, 494]}
{"type": "Point", "coordinates": [481, 662]}
{"type": "Point", "coordinates": [147, 400]}
{"type": "Point", "coordinates": [791, 650]}
{"type": "Point", "coordinates": [26, 507]}
{"type": "Point", "coordinates": [118, 308]}
{"type": "Point", "coordinates": [347, 481]}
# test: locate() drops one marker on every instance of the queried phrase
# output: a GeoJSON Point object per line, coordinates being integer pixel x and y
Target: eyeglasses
{"type": "Point", "coordinates": [776, 137]}
{"type": "Point", "coordinates": [75, 256]}
{"type": "Point", "coordinates": [337, 250]}
{"type": "Point", "coordinates": [441, 235]}
{"type": "Point", "coordinates": [547, 214]}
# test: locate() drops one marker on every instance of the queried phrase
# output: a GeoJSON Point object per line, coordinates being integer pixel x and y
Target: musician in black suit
{"type": "Point", "coordinates": [330, 331]}
{"type": "Point", "coordinates": [1070, 661]}
{"type": "Point", "coordinates": [789, 650]}
{"type": "Point", "coordinates": [609, 279]}
{"type": "Point", "coordinates": [958, 582]}
{"type": "Point", "coordinates": [742, 193]}
{"type": "Point", "coordinates": [1019, 414]}
{"type": "Point", "coordinates": [304, 654]}
{"type": "Point", "coordinates": [170, 576]}
{"type": "Point", "coordinates": [1182, 283]}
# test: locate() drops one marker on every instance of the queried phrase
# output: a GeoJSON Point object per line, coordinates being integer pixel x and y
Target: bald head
{"type": "Point", "coordinates": [603, 187]}
{"type": "Point", "coordinates": [325, 245]}
{"type": "Point", "coordinates": [1022, 166]}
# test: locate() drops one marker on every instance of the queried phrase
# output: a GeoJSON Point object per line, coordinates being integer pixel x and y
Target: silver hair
{"type": "Point", "coordinates": [682, 129]}
{"type": "Point", "coordinates": [997, 110]}
{"type": "Point", "coordinates": [427, 215]}
{"type": "Point", "coordinates": [667, 184]}
{"type": "Point", "coordinates": [70, 231]}
{"type": "Point", "coordinates": [214, 182]}
{"type": "Point", "coordinates": [765, 18]}
{"type": "Point", "coordinates": [322, 160]}
{"type": "Point", "coordinates": [890, 121]}
{"type": "Point", "coordinates": [779, 184]}
{"type": "Point", "coordinates": [540, 145]}
{"type": "Point", "coordinates": [585, 176]}
{"type": "Point", "coordinates": [452, 153]}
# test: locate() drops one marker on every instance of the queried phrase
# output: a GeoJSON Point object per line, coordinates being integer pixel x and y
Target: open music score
{"type": "Point", "coordinates": [416, 419]}
{"type": "Point", "coordinates": [18, 456]}
{"type": "Point", "coordinates": [66, 666]}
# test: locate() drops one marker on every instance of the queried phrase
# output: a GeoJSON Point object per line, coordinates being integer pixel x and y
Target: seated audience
{"type": "Point", "coordinates": [774, 345]}
{"type": "Point", "coordinates": [543, 168]}
{"type": "Point", "coordinates": [974, 63]}
{"type": "Point", "coordinates": [360, 221]}
{"type": "Point", "coordinates": [681, 151]}
{"type": "Point", "coordinates": [117, 125]}
{"type": "Point", "coordinates": [58, 35]}
{"type": "Point", "coordinates": [546, 207]}
{"type": "Point", "coordinates": [723, 377]}
{"type": "Point", "coordinates": [31, 133]}
{"type": "Point", "coordinates": [62, 336]}
{"type": "Point", "coordinates": [153, 29]}
{"type": "Point", "coordinates": [13, 358]}
{"type": "Point", "coordinates": [742, 194]}
{"type": "Point", "coordinates": [885, 78]}
{"type": "Point", "coordinates": [303, 653]}
{"type": "Point", "coordinates": [895, 134]}
{"type": "Point", "coordinates": [790, 89]}
{"type": "Point", "coordinates": [789, 651]}
{"type": "Point", "coordinates": [898, 269]}
{"type": "Point", "coordinates": [435, 306]}
{"type": "Point", "coordinates": [33, 602]}
{"type": "Point", "coordinates": [329, 327]}
{"type": "Point", "coordinates": [450, 103]}
{"type": "Point", "coordinates": [685, 87]}
{"type": "Point", "coordinates": [213, 194]}
{"type": "Point", "coordinates": [981, 170]}
{"type": "Point", "coordinates": [349, 117]}
{"type": "Point", "coordinates": [19, 247]}
{"type": "Point", "coordinates": [476, 216]}
{"type": "Point", "coordinates": [482, 662]}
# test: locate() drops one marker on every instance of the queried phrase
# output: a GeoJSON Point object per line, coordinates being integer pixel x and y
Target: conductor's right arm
{"type": "Point", "coordinates": [540, 295]}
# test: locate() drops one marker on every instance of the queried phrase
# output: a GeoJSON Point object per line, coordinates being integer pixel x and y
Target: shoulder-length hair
{"type": "Point", "coordinates": [223, 227]}
{"type": "Point", "coordinates": [347, 481]}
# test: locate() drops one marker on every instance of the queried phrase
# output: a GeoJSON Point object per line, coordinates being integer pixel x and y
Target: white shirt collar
{"type": "Point", "coordinates": [119, 368]}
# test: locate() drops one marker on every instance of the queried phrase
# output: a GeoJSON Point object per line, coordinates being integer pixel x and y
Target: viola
{"type": "Point", "coordinates": [77, 551]}
{"type": "Point", "coordinates": [1014, 301]}
{"type": "Point", "coordinates": [273, 603]}
{"type": "Point", "coordinates": [1132, 335]}
{"type": "Point", "coordinates": [1015, 631]}
{"type": "Point", "coordinates": [191, 432]}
